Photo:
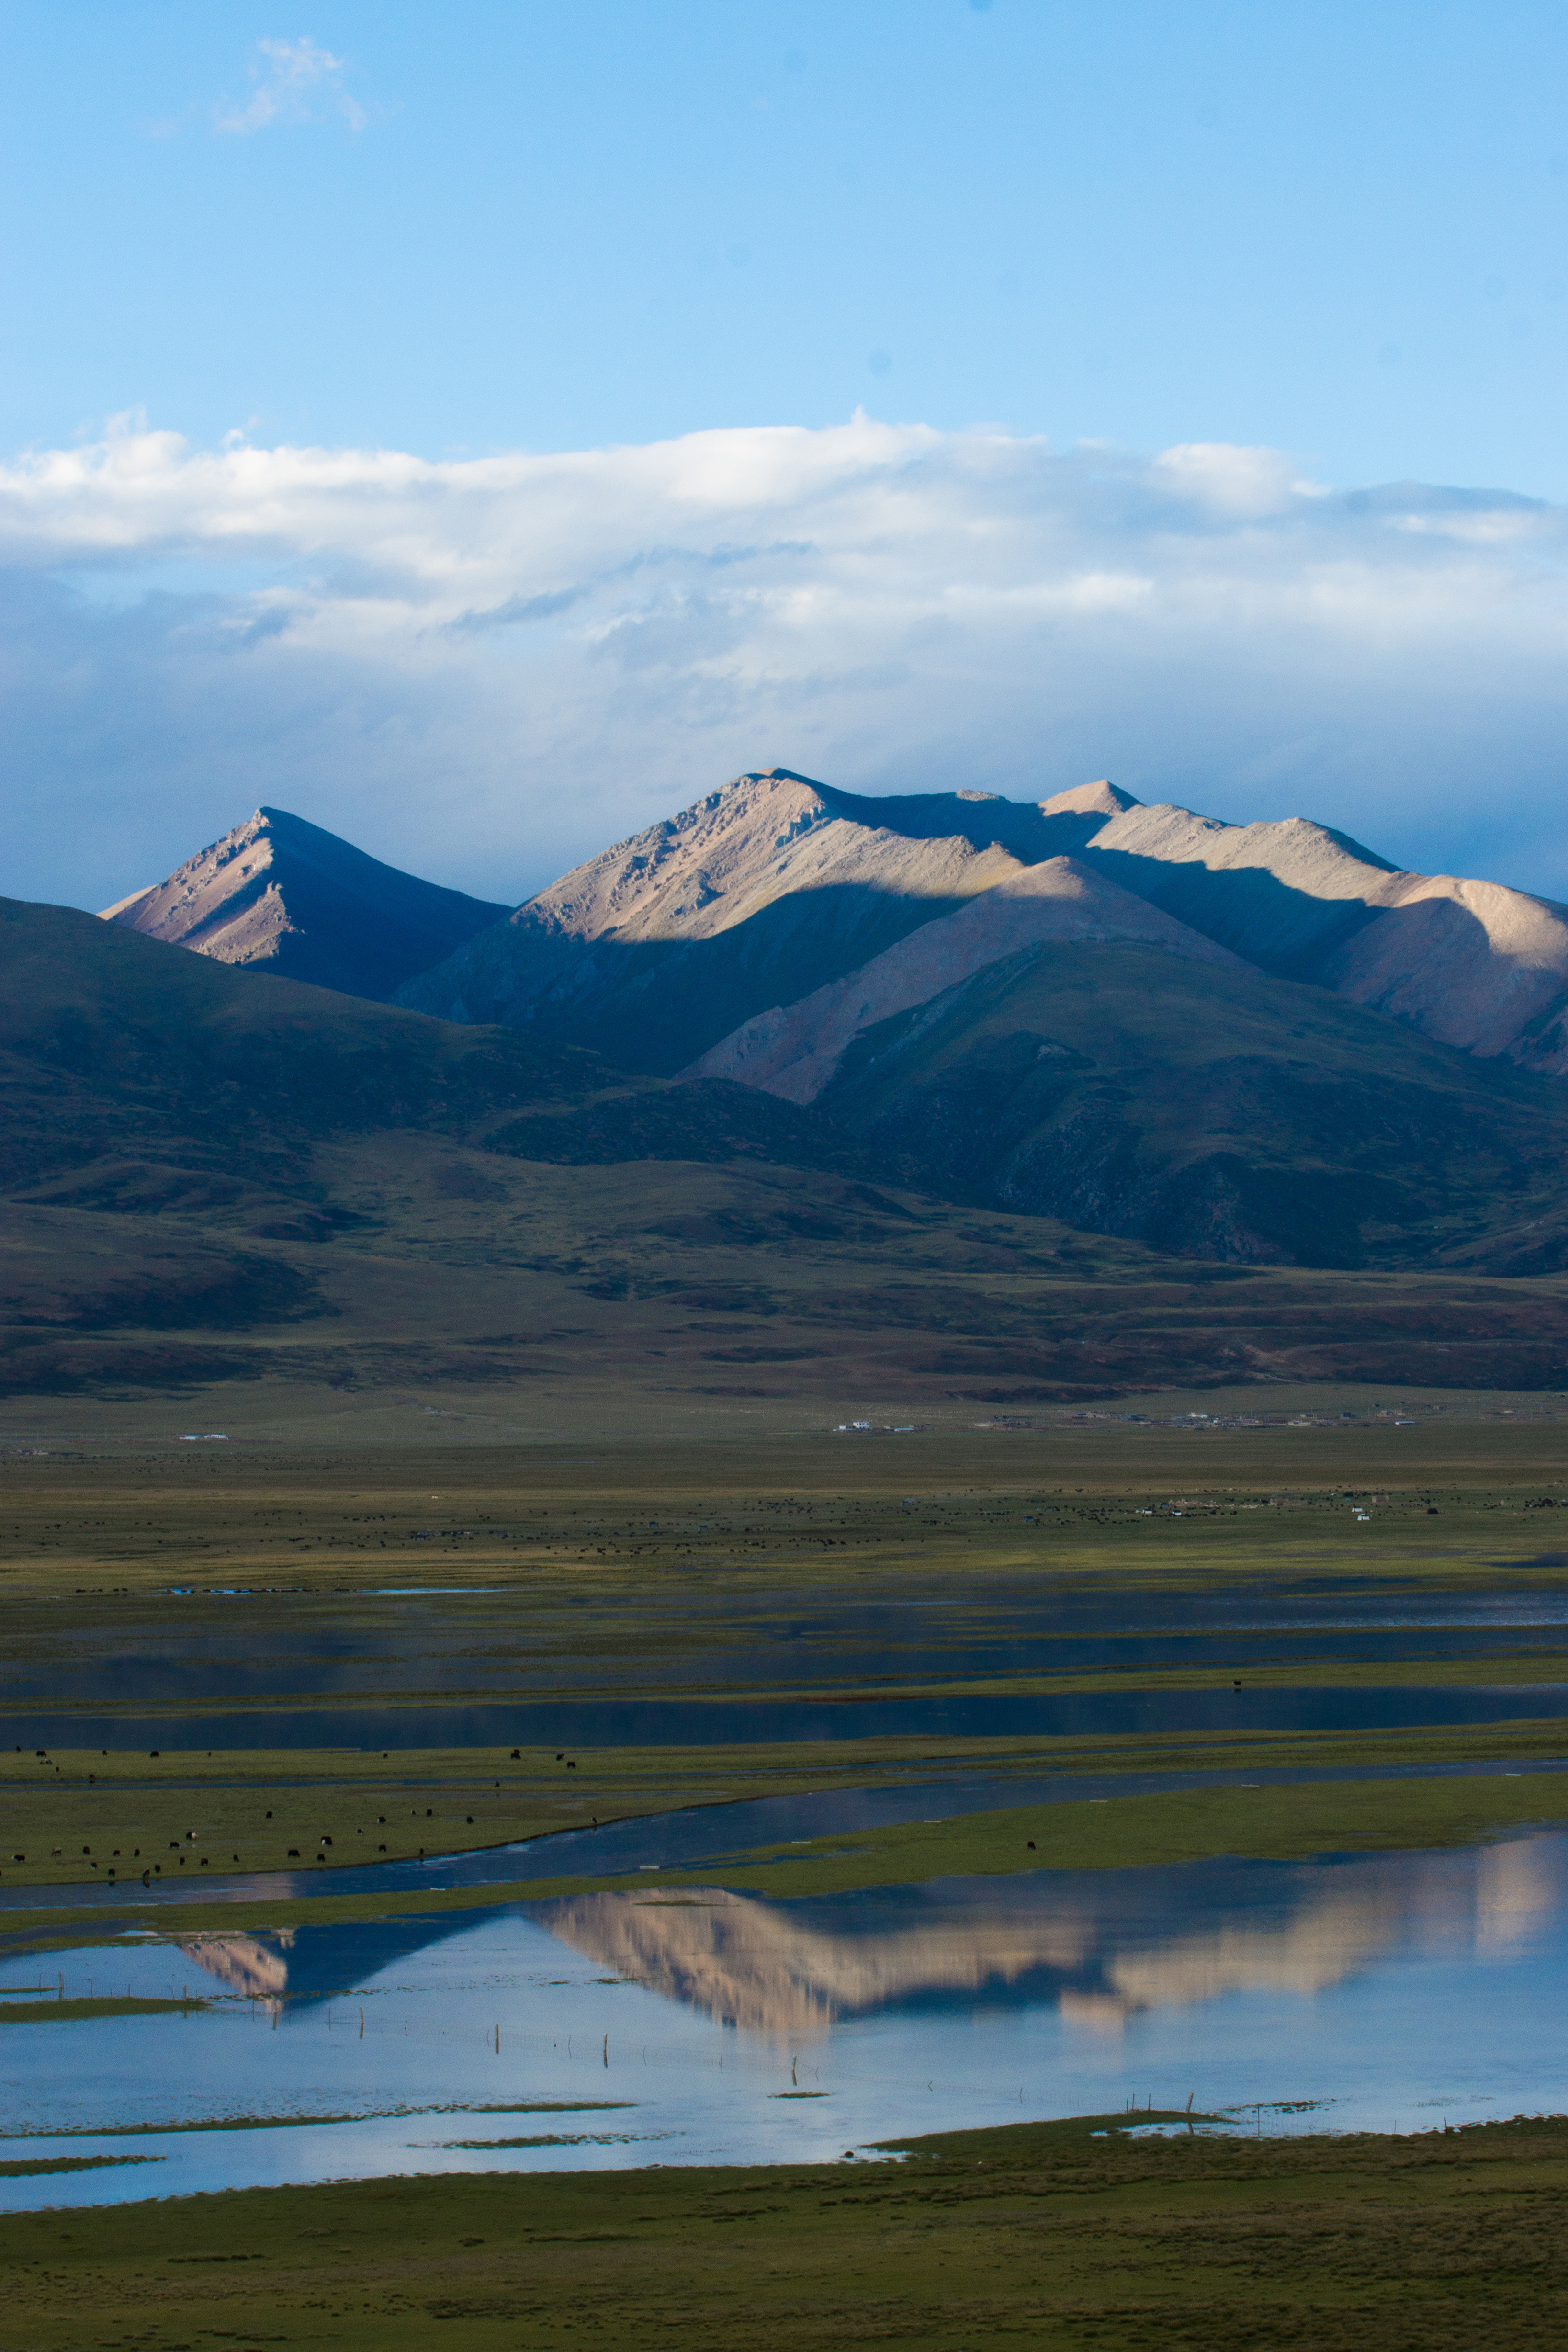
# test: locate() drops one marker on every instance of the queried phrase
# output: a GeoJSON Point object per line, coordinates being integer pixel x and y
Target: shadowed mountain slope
{"type": "Point", "coordinates": [1209, 1110]}
{"type": "Point", "coordinates": [110, 1043]}
{"type": "Point", "coordinates": [796, 1050]}
{"type": "Point", "coordinates": [284, 896]}
{"type": "Point", "coordinates": [107, 1038]}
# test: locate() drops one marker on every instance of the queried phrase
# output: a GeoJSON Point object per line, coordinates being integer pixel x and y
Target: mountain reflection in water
{"type": "Point", "coordinates": [298, 1966]}
{"type": "Point", "coordinates": [1098, 1946]}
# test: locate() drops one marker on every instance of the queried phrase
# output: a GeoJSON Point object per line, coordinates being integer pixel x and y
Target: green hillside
{"type": "Point", "coordinates": [1221, 1114]}
{"type": "Point", "coordinates": [226, 1080]}
{"type": "Point", "coordinates": [107, 1038]}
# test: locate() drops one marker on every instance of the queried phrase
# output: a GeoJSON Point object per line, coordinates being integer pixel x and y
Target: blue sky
{"type": "Point", "coordinates": [466, 233]}
{"type": "Point", "coordinates": [1339, 229]}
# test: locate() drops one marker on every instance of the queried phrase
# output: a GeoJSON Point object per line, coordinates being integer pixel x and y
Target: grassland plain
{"type": "Point", "coordinates": [1283, 1818]}
{"type": "Point", "coordinates": [588, 1545]}
{"type": "Point", "coordinates": [85, 1515]}
{"type": "Point", "coordinates": [412, 1575]}
{"type": "Point", "coordinates": [1269, 1820]}
{"type": "Point", "coordinates": [1076, 2233]}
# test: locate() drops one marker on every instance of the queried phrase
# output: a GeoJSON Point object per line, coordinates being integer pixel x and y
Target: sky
{"type": "Point", "coordinates": [484, 429]}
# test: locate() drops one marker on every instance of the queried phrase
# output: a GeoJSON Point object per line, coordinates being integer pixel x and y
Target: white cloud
{"type": "Point", "coordinates": [486, 669]}
{"type": "Point", "coordinates": [291, 81]}
{"type": "Point", "coordinates": [1234, 481]}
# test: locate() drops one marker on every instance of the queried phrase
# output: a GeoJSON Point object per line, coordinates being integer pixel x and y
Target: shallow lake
{"type": "Point", "coordinates": [207, 1648]}
{"type": "Point", "coordinates": [722, 1722]}
{"type": "Point", "coordinates": [700, 2025]}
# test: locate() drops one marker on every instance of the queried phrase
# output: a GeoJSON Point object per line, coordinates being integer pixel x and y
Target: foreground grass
{"type": "Point", "coordinates": [1065, 2234]}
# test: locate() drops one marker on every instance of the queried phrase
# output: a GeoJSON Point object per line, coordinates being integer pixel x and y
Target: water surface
{"type": "Point", "coordinates": [695, 1722]}
{"type": "Point", "coordinates": [206, 1646]}
{"type": "Point", "coordinates": [1390, 1990]}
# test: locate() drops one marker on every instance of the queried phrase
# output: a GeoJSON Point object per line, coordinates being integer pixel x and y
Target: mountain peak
{"type": "Point", "coordinates": [1101, 798]}
{"type": "Point", "coordinates": [281, 895]}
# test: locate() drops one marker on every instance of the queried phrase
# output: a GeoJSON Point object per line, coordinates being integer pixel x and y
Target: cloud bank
{"type": "Point", "coordinates": [488, 667]}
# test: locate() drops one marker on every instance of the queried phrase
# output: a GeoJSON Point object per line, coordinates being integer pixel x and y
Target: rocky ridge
{"type": "Point", "coordinates": [813, 887]}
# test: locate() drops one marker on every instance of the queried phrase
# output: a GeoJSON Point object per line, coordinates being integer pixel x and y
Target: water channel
{"type": "Point", "coordinates": [724, 1722]}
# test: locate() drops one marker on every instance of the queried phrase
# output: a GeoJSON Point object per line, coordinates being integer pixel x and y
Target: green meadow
{"type": "Point", "coordinates": [1071, 2234]}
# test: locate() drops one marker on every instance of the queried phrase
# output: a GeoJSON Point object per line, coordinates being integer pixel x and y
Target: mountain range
{"type": "Point", "coordinates": [211, 1176]}
{"type": "Point", "coordinates": [1260, 1043]}
{"type": "Point", "coordinates": [774, 889]}
{"type": "Point", "coordinates": [795, 1093]}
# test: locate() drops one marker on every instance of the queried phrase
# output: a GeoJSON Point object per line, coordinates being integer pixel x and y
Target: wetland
{"type": "Point", "coordinates": [747, 1817]}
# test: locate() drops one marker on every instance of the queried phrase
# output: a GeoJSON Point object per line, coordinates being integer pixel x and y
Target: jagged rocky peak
{"type": "Point", "coordinates": [284, 896]}
{"type": "Point", "coordinates": [805, 880]}
{"type": "Point", "coordinates": [671, 873]}
{"type": "Point", "coordinates": [719, 859]}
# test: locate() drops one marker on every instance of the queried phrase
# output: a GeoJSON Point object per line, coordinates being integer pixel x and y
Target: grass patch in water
{"type": "Point", "coordinates": [297, 2122]}
{"type": "Point", "coordinates": [562, 2139]}
{"type": "Point", "coordinates": [447, 1800]}
{"type": "Point", "coordinates": [25, 2168]}
{"type": "Point", "coordinates": [1290, 1823]}
{"type": "Point", "coordinates": [1285, 1670]}
{"type": "Point", "coordinates": [55, 2012]}
{"type": "Point", "coordinates": [1165, 1827]}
